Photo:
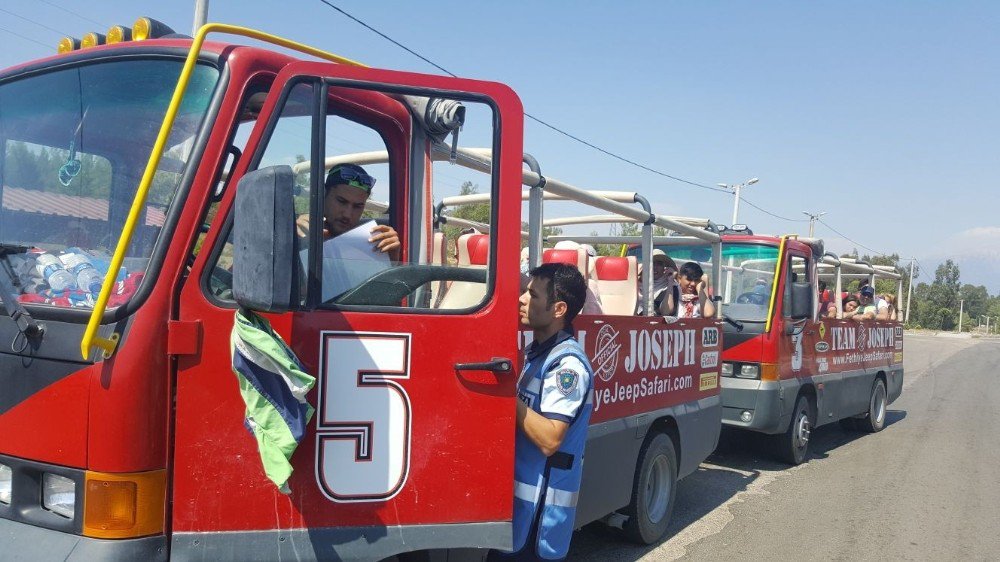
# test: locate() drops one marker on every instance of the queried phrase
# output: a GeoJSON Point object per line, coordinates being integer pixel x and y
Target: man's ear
{"type": "Point", "coordinates": [559, 309]}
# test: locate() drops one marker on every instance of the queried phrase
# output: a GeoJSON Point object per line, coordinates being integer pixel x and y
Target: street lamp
{"type": "Point", "coordinates": [736, 190]}
{"type": "Point", "coordinates": [813, 217]}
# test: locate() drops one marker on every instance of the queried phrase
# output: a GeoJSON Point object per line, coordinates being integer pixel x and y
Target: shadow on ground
{"type": "Point", "coordinates": [737, 462]}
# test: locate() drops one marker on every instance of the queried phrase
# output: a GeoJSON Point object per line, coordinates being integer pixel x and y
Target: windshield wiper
{"type": "Point", "coordinates": [734, 323]}
{"type": "Point", "coordinates": [22, 319]}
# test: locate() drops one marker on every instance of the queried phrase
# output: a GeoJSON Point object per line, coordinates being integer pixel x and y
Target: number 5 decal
{"type": "Point", "coordinates": [363, 426]}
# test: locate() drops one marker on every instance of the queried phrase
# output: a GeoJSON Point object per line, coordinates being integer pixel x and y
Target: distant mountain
{"type": "Point", "coordinates": [977, 253]}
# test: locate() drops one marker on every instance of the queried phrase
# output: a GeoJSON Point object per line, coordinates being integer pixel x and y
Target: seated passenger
{"type": "Point", "coordinates": [827, 307]}
{"type": "Point", "coordinates": [695, 300]}
{"type": "Point", "coordinates": [347, 188]}
{"type": "Point", "coordinates": [887, 312]}
{"type": "Point", "coordinates": [866, 305]}
{"type": "Point", "coordinates": [664, 285]}
{"type": "Point", "coordinates": [850, 305]}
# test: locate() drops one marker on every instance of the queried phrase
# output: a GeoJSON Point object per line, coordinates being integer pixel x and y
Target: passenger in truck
{"type": "Point", "coordinates": [866, 309]}
{"type": "Point", "coordinates": [695, 298]}
{"type": "Point", "coordinates": [348, 187]}
{"type": "Point", "coordinates": [850, 305]}
{"type": "Point", "coordinates": [665, 290]}
{"type": "Point", "coordinates": [887, 312]}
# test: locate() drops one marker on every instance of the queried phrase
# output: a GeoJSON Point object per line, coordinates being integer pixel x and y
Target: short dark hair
{"type": "Point", "coordinates": [566, 284]}
{"type": "Point", "coordinates": [691, 270]}
{"type": "Point", "coordinates": [849, 299]}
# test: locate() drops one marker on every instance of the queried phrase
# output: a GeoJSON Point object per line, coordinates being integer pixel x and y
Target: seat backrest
{"type": "Point", "coordinates": [439, 247]}
{"type": "Point", "coordinates": [617, 281]}
{"type": "Point", "coordinates": [473, 249]}
{"type": "Point", "coordinates": [577, 257]}
{"type": "Point", "coordinates": [474, 252]}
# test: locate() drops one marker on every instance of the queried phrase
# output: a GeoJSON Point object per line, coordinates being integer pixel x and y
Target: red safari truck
{"type": "Point", "coordinates": [136, 448]}
{"type": "Point", "coordinates": [789, 367]}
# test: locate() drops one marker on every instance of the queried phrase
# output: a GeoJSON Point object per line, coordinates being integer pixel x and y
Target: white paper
{"type": "Point", "coordinates": [348, 260]}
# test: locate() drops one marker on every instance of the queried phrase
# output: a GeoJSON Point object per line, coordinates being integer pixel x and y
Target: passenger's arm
{"type": "Point", "coordinates": [707, 305]}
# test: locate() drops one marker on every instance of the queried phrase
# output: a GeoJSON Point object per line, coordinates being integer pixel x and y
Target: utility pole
{"type": "Point", "coordinates": [909, 293]}
{"type": "Point", "coordinates": [736, 190]}
{"type": "Point", "coordinates": [961, 309]}
{"type": "Point", "coordinates": [813, 217]}
{"type": "Point", "coordinates": [200, 15]}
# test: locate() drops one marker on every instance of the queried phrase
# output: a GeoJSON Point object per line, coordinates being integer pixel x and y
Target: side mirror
{"type": "Point", "coordinates": [801, 305]}
{"type": "Point", "coordinates": [264, 262]}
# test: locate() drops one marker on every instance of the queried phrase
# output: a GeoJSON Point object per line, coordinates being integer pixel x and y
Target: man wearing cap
{"type": "Point", "coordinates": [867, 309]}
{"type": "Point", "coordinates": [348, 187]}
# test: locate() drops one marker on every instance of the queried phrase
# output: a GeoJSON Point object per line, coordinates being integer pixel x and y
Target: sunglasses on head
{"type": "Point", "coordinates": [353, 177]}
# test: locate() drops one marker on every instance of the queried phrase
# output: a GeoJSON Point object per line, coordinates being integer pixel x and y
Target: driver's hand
{"type": "Point", "coordinates": [302, 227]}
{"type": "Point", "coordinates": [385, 239]}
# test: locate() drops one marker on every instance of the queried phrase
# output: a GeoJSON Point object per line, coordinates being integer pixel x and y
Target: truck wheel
{"type": "Point", "coordinates": [793, 445]}
{"type": "Point", "coordinates": [653, 491]}
{"type": "Point", "coordinates": [874, 421]}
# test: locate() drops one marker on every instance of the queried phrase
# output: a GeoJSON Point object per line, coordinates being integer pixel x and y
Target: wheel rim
{"type": "Point", "coordinates": [877, 411]}
{"type": "Point", "coordinates": [658, 489]}
{"type": "Point", "coordinates": [802, 431]}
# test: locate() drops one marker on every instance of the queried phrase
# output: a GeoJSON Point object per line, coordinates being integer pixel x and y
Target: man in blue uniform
{"type": "Point", "coordinates": [555, 396]}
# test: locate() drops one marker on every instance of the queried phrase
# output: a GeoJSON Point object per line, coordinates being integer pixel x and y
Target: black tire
{"type": "Point", "coordinates": [653, 491]}
{"type": "Point", "coordinates": [874, 420]}
{"type": "Point", "coordinates": [792, 446]}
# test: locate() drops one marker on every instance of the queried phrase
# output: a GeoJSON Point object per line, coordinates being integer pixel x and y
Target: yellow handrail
{"type": "Point", "coordinates": [774, 283]}
{"type": "Point", "coordinates": [90, 337]}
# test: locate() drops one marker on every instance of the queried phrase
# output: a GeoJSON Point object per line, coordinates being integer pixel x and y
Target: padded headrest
{"type": "Point", "coordinates": [479, 249]}
{"type": "Point", "coordinates": [576, 258]}
{"type": "Point", "coordinates": [611, 268]}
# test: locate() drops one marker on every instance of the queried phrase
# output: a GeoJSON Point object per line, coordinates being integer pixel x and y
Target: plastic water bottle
{"type": "Point", "coordinates": [52, 270]}
{"type": "Point", "coordinates": [87, 276]}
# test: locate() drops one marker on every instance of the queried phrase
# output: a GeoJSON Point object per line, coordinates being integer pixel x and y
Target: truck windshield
{"type": "Point", "coordinates": [75, 143]}
{"type": "Point", "coordinates": [747, 275]}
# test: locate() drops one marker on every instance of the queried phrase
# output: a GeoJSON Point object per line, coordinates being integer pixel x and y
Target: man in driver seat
{"type": "Point", "coordinates": [348, 187]}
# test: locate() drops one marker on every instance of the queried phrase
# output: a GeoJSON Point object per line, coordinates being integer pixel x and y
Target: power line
{"type": "Point", "coordinates": [761, 209]}
{"type": "Point", "coordinates": [526, 114]}
{"type": "Point", "coordinates": [71, 12]}
{"type": "Point", "coordinates": [14, 33]}
{"type": "Point", "coordinates": [39, 24]}
{"type": "Point", "coordinates": [844, 236]}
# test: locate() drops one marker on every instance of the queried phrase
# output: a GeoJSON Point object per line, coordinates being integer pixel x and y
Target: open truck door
{"type": "Point", "coordinates": [412, 442]}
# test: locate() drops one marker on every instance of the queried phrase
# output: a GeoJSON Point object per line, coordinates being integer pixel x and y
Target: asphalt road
{"type": "Point", "coordinates": [926, 488]}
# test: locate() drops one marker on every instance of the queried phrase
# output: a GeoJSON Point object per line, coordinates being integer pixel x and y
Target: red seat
{"type": "Point", "coordinates": [474, 249]}
{"type": "Point", "coordinates": [617, 282]}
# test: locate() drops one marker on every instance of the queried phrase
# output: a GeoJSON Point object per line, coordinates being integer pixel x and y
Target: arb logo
{"type": "Point", "coordinates": [709, 337]}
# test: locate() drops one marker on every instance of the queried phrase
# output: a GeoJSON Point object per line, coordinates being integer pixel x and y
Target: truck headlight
{"type": "Point", "coordinates": [59, 495]}
{"type": "Point", "coordinates": [750, 371]}
{"type": "Point", "coordinates": [6, 476]}
{"type": "Point", "coordinates": [727, 369]}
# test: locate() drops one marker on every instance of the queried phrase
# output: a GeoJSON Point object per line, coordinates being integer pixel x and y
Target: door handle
{"type": "Point", "coordinates": [497, 365]}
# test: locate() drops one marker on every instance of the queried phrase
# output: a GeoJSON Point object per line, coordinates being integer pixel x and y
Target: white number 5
{"type": "Point", "coordinates": [363, 426]}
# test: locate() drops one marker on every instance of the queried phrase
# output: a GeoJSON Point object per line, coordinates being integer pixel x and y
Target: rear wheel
{"type": "Point", "coordinates": [793, 445]}
{"type": "Point", "coordinates": [874, 421]}
{"type": "Point", "coordinates": [653, 491]}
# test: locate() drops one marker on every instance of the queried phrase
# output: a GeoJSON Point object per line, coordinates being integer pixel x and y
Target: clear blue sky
{"type": "Point", "coordinates": [884, 115]}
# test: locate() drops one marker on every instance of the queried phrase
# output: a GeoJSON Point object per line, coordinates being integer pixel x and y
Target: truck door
{"type": "Point", "coordinates": [410, 447]}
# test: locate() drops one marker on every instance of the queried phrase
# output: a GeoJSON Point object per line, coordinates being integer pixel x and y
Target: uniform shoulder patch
{"type": "Point", "coordinates": [567, 381]}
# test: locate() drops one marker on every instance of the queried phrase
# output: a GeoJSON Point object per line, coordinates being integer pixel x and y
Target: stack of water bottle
{"type": "Point", "coordinates": [67, 279]}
